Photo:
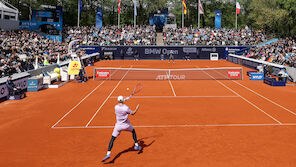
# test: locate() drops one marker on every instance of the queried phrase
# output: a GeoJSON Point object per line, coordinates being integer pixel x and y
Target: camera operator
{"type": "Point", "coordinates": [283, 76]}
{"type": "Point", "coordinates": [12, 88]}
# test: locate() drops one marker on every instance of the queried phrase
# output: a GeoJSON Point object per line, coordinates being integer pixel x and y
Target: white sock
{"type": "Point", "coordinates": [108, 152]}
{"type": "Point", "coordinates": [136, 144]}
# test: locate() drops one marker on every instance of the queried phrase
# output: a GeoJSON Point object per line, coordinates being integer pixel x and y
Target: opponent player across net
{"type": "Point", "coordinates": [122, 122]}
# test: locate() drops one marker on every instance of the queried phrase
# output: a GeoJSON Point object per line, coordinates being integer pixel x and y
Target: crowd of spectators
{"type": "Point", "coordinates": [212, 37]}
{"type": "Point", "coordinates": [19, 49]}
{"type": "Point", "coordinates": [281, 52]}
{"type": "Point", "coordinates": [112, 35]}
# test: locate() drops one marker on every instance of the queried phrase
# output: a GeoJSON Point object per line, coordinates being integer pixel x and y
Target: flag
{"type": "Point", "coordinates": [99, 19]}
{"type": "Point", "coordinates": [119, 6]}
{"type": "Point", "coordinates": [201, 11]}
{"type": "Point", "coordinates": [218, 19]}
{"type": "Point", "coordinates": [135, 7]}
{"type": "Point", "coordinates": [185, 7]}
{"type": "Point", "coordinates": [237, 7]}
{"type": "Point", "coordinates": [80, 6]}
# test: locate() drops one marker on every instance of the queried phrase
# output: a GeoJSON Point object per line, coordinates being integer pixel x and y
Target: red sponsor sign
{"type": "Point", "coordinates": [234, 73]}
{"type": "Point", "coordinates": [103, 74]}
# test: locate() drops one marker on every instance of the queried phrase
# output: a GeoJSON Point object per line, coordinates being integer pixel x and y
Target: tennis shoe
{"type": "Point", "coordinates": [137, 148]}
{"type": "Point", "coordinates": [106, 157]}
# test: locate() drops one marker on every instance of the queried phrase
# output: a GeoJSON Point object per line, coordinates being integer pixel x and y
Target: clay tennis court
{"type": "Point", "coordinates": [205, 122]}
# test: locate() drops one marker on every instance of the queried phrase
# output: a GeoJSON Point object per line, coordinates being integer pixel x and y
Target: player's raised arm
{"type": "Point", "coordinates": [137, 89]}
{"type": "Point", "coordinates": [127, 98]}
{"type": "Point", "coordinates": [134, 112]}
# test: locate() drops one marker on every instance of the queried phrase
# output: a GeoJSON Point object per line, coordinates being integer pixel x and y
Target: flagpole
{"type": "Point", "coordinates": [78, 14]}
{"type": "Point", "coordinates": [235, 19]}
{"type": "Point", "coordinates": [118, 19]}
{"type": "Point", "coordinates": [135, 16]}
{"type": "Point", "coordinates": [135, 20]}
{"type": "Point", "coordinates": [198, 17]}
{"type": "Point", "coordinates": [236, 14]}
{"type": "Point", "coordinates": [183, 16]}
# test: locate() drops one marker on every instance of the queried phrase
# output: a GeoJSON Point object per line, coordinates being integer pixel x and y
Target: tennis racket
{"type": "Point", "coordinates": [136, 90]}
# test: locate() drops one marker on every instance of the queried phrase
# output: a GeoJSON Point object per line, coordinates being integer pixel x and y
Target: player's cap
{"type": "Point", "coordinates": [120, 99]}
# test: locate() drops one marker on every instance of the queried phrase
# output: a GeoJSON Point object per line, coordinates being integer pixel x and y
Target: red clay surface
{"type": "Point", "coordinates": [183, 123]}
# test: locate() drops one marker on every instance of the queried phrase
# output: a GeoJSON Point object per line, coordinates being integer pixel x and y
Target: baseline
{"type": "Point", "coordinates": [177, 126]}
{"type": "Point", "coordinates": [148, 97]}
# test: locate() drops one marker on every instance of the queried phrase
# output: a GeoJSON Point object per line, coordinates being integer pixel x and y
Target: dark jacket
{"type": "Point", "coordinates": [10, 85]}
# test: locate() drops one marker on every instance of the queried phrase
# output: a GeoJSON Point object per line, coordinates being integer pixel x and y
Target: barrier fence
{"type": "Point", "coordinates": [253, 63]}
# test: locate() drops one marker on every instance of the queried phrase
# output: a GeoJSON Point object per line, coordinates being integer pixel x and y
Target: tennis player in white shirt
{"type": "Point", "coordinates": [123, 124]}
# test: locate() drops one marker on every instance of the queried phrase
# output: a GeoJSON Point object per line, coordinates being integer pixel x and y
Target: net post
{"type": "Point", "coordinates": [94, 76]}
{"type": "Point", "coordinates": [242, 73]}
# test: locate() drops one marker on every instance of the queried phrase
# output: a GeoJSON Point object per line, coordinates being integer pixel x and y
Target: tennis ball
{"type": "Point", "coordinates": [127, 89]}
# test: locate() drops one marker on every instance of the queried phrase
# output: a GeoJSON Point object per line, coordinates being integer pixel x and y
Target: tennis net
{"type": "Point", "coordinates": [223, 73]}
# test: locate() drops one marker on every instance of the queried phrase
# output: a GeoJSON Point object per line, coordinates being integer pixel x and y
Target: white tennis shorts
{"type": "Point", "coordinates": [122, 127]}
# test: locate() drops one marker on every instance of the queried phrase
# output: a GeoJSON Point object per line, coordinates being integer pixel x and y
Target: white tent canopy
{"type": "Point", "coordinates": [8, 11]}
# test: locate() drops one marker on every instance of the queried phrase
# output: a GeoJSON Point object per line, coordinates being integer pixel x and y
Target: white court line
{"type": "Point", "coordinates": [177, 126]}
{"type": "Point", "coordinates": [79, 103]}
{"type": "Point", "coordinates": [147, 97]}
{"type": "Point", "coordinates": [171, 84]}
{"type": "Point", "coordinates": [172, 87]}
{"type": "Point", "coordinates": [265, 98]}
{"type": "Point", "coordinates": [260, 95]}
{"type": "Point", "coordinates": [244, 99]}
{"type": "Point", "coordinates": [107, 98]}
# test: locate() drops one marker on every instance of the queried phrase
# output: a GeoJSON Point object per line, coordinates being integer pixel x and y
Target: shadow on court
{"type": "Point", "coordinates": [131, 149]}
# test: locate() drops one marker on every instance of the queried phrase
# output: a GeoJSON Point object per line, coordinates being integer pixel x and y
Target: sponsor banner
{"type": "Point", "coordinates": [3, 91]}
{"type": "Point", "coordinates": [103, 74]}
{"type": "Point", "coordinates": [22, 83]}
{"type": "Point", "coordinates": [273, 82]}
{"type": "Point", "coordinates": [170, 77]}
{"type": "Point", "coordinates": [74, 68]}
{"type": "Point", "coordinates": [234, 74]}
{"type": "Point", "coordinates": [35, 84]}
{"type": "Point", "coordinates": [190, 50]}
{"type": "Point", "coordinates": [156, 52]}
{"type": "Point", "coordinates": [238, 50]}
{"type": "Point", "coordinates": [256, 76]}
{"type": "Point", "coordinates": [90, 49]}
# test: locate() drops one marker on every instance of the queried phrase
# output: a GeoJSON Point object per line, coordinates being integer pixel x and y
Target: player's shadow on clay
{"type": "Point", "coordinates": [130, 149]}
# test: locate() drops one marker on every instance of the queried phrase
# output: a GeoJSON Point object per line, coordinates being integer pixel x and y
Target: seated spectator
{"type": "Point", "coordinates": [213, 37]}
{"type": "Point", "coordinates": [280, 52]}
